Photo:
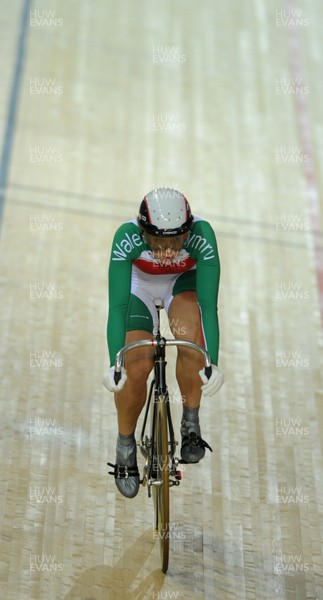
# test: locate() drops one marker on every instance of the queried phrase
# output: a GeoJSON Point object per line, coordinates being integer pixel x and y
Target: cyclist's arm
{"type": "Point", "coordinates": [119, 291]}
{"type": "Point", "coordinates": [207, 284]}
{"type": "Point", "coordinates": [124, 249]}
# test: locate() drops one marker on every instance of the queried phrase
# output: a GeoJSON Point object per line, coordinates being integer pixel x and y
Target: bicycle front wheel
{"type": "Point", "coordinates": [161, 491]}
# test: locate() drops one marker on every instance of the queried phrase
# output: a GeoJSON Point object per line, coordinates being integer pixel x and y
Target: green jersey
{"type": "Point", "coordinates": [134, 270]}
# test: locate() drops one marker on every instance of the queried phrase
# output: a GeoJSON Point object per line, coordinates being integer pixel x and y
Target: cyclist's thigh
{"type": "Point", "coordinates": [183, 310]}
{"type": "Point", "coordinates": [139, 326]}
{"type": "Point", "coordinates": [184, 317]}
{"type": "Point", "coordinates": [141, 312]}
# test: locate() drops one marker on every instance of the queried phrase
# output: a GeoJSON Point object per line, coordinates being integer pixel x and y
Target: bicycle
{"type": "Point", "coordinates": [158, 447]}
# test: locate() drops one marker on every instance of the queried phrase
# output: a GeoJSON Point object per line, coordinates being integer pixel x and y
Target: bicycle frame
{"type": "Point", "coordinates": [147, 445]}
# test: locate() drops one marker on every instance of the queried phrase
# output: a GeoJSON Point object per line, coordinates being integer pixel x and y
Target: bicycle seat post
{"type": "Point", "coordinates": [159, 304]}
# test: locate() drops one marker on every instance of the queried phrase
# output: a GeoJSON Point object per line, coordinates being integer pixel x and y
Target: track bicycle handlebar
{"type": "Point", "coordinates": [152, 343]}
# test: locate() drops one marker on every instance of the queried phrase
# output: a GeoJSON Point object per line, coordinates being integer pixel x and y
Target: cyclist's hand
{"type": "Point", "coordinates": [110, 384]}
{"type": "Point", "coordinates": [211, 386]}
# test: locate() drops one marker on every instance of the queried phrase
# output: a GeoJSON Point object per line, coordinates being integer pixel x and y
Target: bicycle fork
{"type": "Point", "coordinates": [147, 445]}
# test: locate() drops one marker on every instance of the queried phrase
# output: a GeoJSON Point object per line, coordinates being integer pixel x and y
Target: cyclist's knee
{"type": "Point", "coordinates": [138, 371]}
{"type": "Point", "coordinates": [187, 356]}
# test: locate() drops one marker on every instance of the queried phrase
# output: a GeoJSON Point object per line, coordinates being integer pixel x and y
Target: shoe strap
{"type": "Point", "coordinates": [123, 471]}
{"type": "Point", "coordinates": [195, 441]}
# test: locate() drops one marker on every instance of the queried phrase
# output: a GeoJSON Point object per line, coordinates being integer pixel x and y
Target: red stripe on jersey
{"type": "Point", "coordinates": [154, 268]}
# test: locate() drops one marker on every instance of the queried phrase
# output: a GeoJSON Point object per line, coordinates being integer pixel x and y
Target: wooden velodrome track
{"type": "Point", "coordinates": [101, 102]}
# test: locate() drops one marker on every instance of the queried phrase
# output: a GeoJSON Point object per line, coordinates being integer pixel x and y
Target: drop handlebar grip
{"type": "Point", "coordinates": [117, 377]}
{"type": "Point", "coordinates": [208, 371]}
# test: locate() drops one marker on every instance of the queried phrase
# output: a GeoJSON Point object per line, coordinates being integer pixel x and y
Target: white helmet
{"type": "Point", "coordinates": [165, 212]}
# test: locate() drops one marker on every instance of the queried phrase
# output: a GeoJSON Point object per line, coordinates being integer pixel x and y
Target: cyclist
{"type": "Point", "coordinates": [164, 253]}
